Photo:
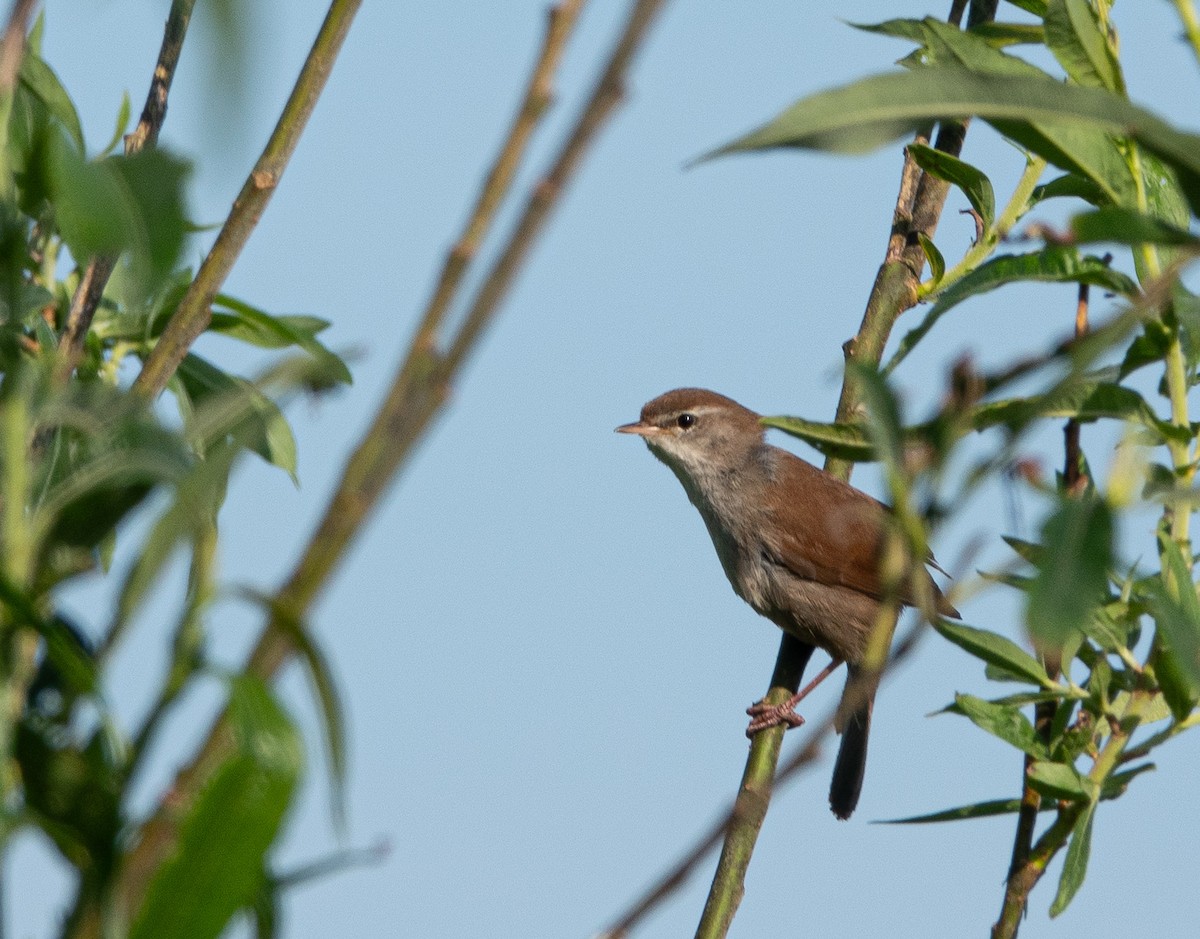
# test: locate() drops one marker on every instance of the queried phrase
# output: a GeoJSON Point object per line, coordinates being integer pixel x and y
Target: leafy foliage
{"type": "Point", "coordinates": [81, 456]}
{"type": "Point", "coordinates": [1138, 178]}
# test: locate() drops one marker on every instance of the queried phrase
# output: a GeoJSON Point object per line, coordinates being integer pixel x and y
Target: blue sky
{"type": "Point", "coordinates": [544, 668]}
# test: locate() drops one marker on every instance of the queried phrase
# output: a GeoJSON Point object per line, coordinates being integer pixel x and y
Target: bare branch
{"type": "Point", "coordinates": [416, 395]}
{"type": "Point", "coordinates": [12, 44]}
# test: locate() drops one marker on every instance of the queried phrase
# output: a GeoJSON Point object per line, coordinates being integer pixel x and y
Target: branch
{"type": "Point", "coordinates": [538, 95]}
{"type": "Point", "coordinates": [1019, 881]}
{"type": "Point", "coordinates": [416, 395]}
{"type": "Point", "coordinates": [12, 44]}
{"type": "Point", "coordinates": [87, 296]}
{"type": "Point", "coordinates": [918, 209]}
{"type": "Point", "coordinates": [194, 312]}
{"type": "Point", "coordinates": [678, 873]}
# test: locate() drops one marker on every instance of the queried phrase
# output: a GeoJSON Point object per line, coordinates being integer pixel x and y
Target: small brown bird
{"type": "Point", "coordinates": [797, 544]}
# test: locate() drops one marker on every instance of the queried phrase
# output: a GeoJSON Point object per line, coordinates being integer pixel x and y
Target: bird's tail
{"type": "Point", "coordinates": [851, 762]}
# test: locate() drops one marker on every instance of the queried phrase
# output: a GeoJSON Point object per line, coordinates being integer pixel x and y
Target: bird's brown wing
{"type": "Point", "coordinates": [836, 537]}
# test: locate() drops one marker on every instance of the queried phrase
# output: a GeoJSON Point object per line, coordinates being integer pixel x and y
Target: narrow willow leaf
{"type": "Point", "coordinates": [1076, 39]}
{"type": "Point", "coordinates": [1059, 781]}
{"type": "Point", "coordinates": [843, 441]}
{"type": "Point", "coordinates": [39, 79]}
{"type": "Point", "coordinates": [1026, 550]}
{"type": "Point", "coordinates": [1151, 346]}
{"type": "Point", "coordinates": [1075, 866]}
{"type": "Point", "coordinates": [976, 810]}
{"type": "Point", "coordinates": [226, 832]}
{"type": "Point", "coordinates": [1177, 615]}
{"type": "Point", "coordinates": [333, 718]}
{"type": "Point", "coordinates": [873, 111]}
{"type": "Point", "coordinates": [937, 263]}
{"type": "Point", "coordinates": [1115, 785]}
{"type": "Point", "coordinates": [1036, 7]}
{"type": "Point", "coordinates": [252, 325]}
{"type": "Point", "coordinates": [1019, 700]}
{"type": "Point", "coordinates": [1070, 186]}
{"type": "Point", "coordinates": [1003, 721]}
{"type": "Point", "coordinates": [1073, 581]}
{"type": "Point", "coordinates": [1086, 399]}
{"type": "Point", "coordinates": [973, 183]}
{"type": "Point", "coordinates": [198, 498]}
{"type": "Point", "coordinates": [121, 127]}
{"type": "Point", "coordinates": [1053, 264]}
{"type": "Point", "coordinates": [1010, 34]}
{"type": "Point", "coordinates": [996, 650]}
{"type": "Point", "coordinates": [1124, 226]}
{"type": "Point", "coordinates": [899, 28]}
{"type": "Point", "coordinates": [266, 430]}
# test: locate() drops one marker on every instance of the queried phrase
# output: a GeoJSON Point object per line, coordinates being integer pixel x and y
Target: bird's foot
{"type": "Point", "coordinates": [765, 715]}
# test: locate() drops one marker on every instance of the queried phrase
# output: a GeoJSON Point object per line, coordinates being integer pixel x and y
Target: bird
{"type": "Point", "coordinates": [797, 544]}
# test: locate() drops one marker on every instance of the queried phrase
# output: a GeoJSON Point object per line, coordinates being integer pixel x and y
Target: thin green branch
{"type": "Point", "coordinates": [1191, 25]}
{"type": "Point", "coordinates": [679, 872]}
{"type": "Point", "coordinates": [416, 396]}
{"type": "Point", "coordinates": [918, 210]}
{"type": "Point", "coordinates": [1014, 209]}
{"type": "Point", "coordinates": [99, 268]}
{"type": "Point", "coordinates": [194, 312]}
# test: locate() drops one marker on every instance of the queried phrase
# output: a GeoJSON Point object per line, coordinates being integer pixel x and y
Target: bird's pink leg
{"type": "Point", "coordinates": [771, 715]}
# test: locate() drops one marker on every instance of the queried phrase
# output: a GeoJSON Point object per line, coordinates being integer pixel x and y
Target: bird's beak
{"type": "Point", "coordinates": [642, 430]}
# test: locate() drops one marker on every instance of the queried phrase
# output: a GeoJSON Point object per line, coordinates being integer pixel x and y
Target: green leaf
{"type": "Point", "coordinates": [1003, 721]}
{"type": "Point", "coordinates": [1127, 227]}
{"type": "Point", "coordinates": [996, 650]}
{"type": "Point", "coordinates": [263, 425]}
{"type": "Point", "coordinates": [1010, 34]}
{"type": "Point", "coordinates": [121, 127]}
{"type": "Point", "coordinates": [973, 183]}
{"type": "Point", "coordinates": [252, 325]}
{"type": "Point", "coordinates": [1086, 399]}
{"type": "Point", "coordinates": [1047, 116]}
{"type": "Point", "coordinates": [333, 718]}
{"type": "Point", "coordinates": [1054, 264]}
{"type": "Point", "coordinates": [1059, 781]}
{"type": "Point", "coordinates": [39, 79]}
{"type": "Point", "coordinates": [937, 263]}
{"type": "Point", "coordinates": [226, 832]}
{"type": "Point", "coordinates": [843, 441]}
{"type": "Point", "coordinates": [1036, 7]}
{"type": "Point", "coordinates": [198, 499]}
{"type": "Point", "coordinates": [1027, 550]}
{"type": "Point", "coordinates": [121, 204]}
{"type": "Point", "coordinates": [1115, 785]}
{"type": "Point", "coordinates": [1070, 186]}
{"type": "Point", "coordinates": [1073, 581]}
{"type": "Point", "coordinates": [1075, 37]}
{"type": "Point", "coordinates": [1075, 865]}
{"type": "Point", "coordinates": [1151, 346]}
{"type": "Point", "coordinates": [1176, 610]}
{"type": "Point", "coordinates": [976, 810]}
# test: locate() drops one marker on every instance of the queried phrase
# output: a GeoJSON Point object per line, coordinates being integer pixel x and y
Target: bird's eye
{"type": "Point", "coordinates": [685, 420]}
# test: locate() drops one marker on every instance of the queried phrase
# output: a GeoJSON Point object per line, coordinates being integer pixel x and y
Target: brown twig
{"type": "Point", "coordinates": [918, 208]}
{"type": "Point", "coordinates": [538, 96]}
{"type": "Point", "coordinates": [12, 44]}
{"type": "Point", "coordinates": [194, 312]}
{"type": "Point", "coordinates": [416, 395]}
{"type": "Point", "coordinates": [87, 296]}
{"type": "Point", "coordinates": [1024, 869]}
